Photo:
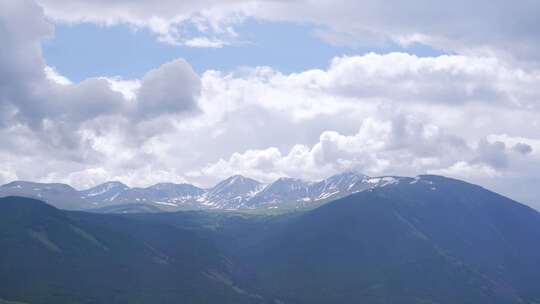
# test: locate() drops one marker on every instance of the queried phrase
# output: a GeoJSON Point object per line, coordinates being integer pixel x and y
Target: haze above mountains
{"type": "Point", "coordinates": [236, 192]}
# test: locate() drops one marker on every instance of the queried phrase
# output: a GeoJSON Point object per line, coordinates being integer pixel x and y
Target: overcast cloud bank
{"type": "Point", "coordinates": [473, 115]}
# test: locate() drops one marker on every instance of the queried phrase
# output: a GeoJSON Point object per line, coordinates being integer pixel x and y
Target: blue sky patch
{"type": "Point", "coordinates": [84, 50]}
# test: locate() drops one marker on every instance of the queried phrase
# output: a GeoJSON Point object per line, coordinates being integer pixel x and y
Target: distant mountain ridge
{"type": "Point", "coordinates": [105, 192]}
{"type": "Point", "coordinates": [60, 195]}
{"type": "Point", "coordinates": [233, 193]}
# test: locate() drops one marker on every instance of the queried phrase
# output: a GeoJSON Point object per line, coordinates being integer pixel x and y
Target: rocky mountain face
{"type": "Point", "coordinates": [236, 192]}
{"type": "Point", "coordinates": [165, 195]}
{"type": "Point", "coordinates": [232, 193]}
{"type": "Point", "coordinates": [106, 192]}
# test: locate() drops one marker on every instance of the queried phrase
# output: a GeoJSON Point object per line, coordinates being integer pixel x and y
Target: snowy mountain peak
{"type": "Point", "coordinates": [103, 193]}
{"type": "Point", "coordinates": [231, 193]}
{"type": "Point", "coordinates": [237, 185]}
{"type": "Point", "coordinates": [284, 189]}
{"type": "Point", "coordinates": [236, 180]}
{"type": "Point", "coordinates": [174, 187]}
{"type": "Point", "coordinates": [344, 179]}
{"type": "Point", "coordinates": [383, 181]}
{"type": "Point", "coordinates": [105, 187]}
{"type": "Point", "coordinates": [290, 181]}
{"type": "Point", "coordinates": [235, 192]}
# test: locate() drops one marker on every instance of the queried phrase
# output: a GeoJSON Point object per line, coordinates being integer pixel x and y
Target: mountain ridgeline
{"type": "Point", "coordinates": [236, 192]}
{"type": "Point", "coordinates": [418, 240]}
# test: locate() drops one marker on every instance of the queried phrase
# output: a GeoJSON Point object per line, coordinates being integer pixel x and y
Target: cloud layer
{"type": "Point", "coordinates": [508, 29]}
{"type": "Point", "coordinates": [474, 115]}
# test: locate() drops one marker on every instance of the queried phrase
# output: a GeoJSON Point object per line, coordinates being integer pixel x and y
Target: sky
{"type": "Point", "coordinates": [196, 91]}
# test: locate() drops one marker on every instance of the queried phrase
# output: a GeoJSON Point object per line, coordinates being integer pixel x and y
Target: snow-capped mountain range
{"type": "Point", "coordinates": [235, 192]}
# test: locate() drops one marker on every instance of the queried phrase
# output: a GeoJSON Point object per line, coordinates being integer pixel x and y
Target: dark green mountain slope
{"type": "Point", "coordinates": [424, 240]}
{"type": "Point", "coordinates": [408, 240]}
{"type": "Point", "coordinates": [53, 256]}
